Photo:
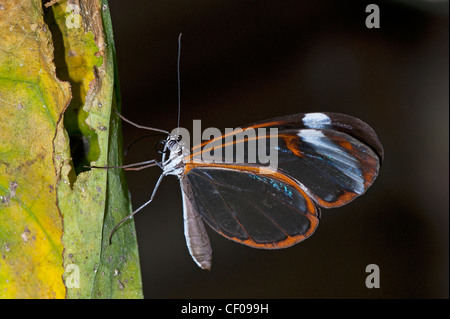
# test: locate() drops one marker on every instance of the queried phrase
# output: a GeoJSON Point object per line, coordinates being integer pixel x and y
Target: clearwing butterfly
{"type": "Point", "coordinates": [324, 160]}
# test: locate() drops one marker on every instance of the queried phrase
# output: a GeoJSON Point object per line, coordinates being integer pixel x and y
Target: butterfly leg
{"type": "Point", "coordinates": [140, 126]}
{"type": "Point", "coordinates": [131, 167]}
{"type": "Point", "coordinates": [137, 210]}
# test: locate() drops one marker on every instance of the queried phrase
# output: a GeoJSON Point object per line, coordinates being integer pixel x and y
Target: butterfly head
{"type": "Point", "coordinates": [174, 147]}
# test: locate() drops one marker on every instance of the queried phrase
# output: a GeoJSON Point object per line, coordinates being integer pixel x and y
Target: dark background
{"type": "Point", "coordinates": [244, 61]}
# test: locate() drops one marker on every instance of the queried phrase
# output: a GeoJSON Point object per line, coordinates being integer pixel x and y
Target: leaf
{"type": "Point", "coordinates": [31, 101]}
{"type": "Point", "coordinates": [90, 201]}
{"type": "Point", "coordinates": [98, 199]}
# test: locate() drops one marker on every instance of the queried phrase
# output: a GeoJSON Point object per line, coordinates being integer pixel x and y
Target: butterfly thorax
{"type": "Point", "coordinates": [174, 165]}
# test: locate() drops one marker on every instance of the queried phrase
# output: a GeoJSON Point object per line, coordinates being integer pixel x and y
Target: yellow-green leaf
{"type": "Point", "coordinates": [49, 200]}
{"type": "Point", "coordinates": [93, 202]}
{"type": "Point", "coordinates": [31, 101]}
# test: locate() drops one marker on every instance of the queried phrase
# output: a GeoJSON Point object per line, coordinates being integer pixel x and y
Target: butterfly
{"type": "Point", "coordinates": [325, 160]}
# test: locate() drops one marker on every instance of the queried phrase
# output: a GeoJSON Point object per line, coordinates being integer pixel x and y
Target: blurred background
{"type": "Point", "coordinates": [244, 61]}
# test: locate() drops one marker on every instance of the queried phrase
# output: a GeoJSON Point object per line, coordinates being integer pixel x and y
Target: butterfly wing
{"type": "Point", "coordinates": [333, 157]}
{"type": "Point", "coordinates": [257, 210]}
{"type": "Point", "coordinates": [333, 167]}
{"type": "Point", "coordinates": [326, 120]}
{"type": "Point", "coordinates": [323, 159]}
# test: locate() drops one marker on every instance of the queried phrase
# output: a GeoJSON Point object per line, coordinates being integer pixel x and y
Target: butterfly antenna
{"type": "Point", "coordinates": [179, 81]}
